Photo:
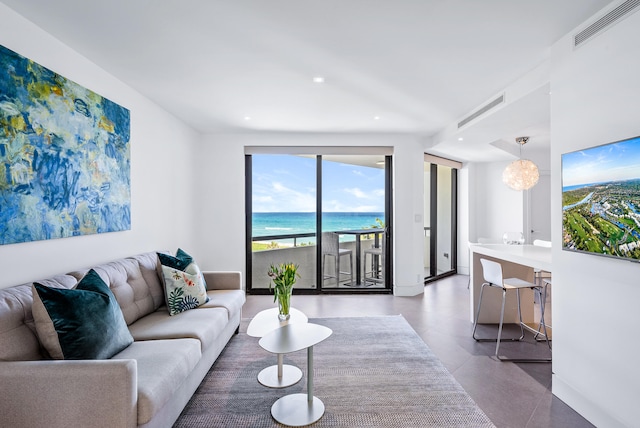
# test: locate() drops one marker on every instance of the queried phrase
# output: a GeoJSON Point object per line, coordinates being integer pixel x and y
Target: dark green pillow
{"type": "Point", "coordinates": [81, 323]}
{"type": "Point", "coordinates": [179, 262]}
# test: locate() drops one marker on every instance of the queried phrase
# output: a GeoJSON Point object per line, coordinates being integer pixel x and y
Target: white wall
{"type": "Point", "coordinates": [162, 186]}
{"type": "Point", "coordinates": [494, 208]}
{"type": "Point", "coordinates": [595, 299]}
{"type": "Point", "coordinates": [222, 223]}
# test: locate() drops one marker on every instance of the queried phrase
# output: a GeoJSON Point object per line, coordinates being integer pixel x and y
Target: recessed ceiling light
{"type": "Point", "coordinates": [318, 79]}
{"type": "Point", "coordinates": [247, 118]}
{"type": "Point", "coordinates": [376, 117]}
{"type": "Point", "coordinates": [460, 139]}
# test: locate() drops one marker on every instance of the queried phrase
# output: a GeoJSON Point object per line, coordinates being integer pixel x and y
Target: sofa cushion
{"type": "Point", "coordinates": [135, 283]}
{"type": "Point", "coordinates": [231, 300]}
{"type": "Point", "coordinates": [163, 365]}
{"type": "Point", "coordinates": [149, 265]}
{"type": "Point", "coordinates": [184, 285]}
{"type": "Point", "coordinates": [81, 323]}
{"type": "Point", "coordinates": [202, 324]}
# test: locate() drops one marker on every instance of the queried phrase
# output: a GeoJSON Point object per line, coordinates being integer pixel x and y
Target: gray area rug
{"type": "Point", "coordinates": [371, 372]}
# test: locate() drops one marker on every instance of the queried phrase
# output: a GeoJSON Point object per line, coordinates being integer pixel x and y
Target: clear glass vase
{"type": "Point", "coordinates": [513, 238]}
{"type": "Point", "coordinates": [284, 304]}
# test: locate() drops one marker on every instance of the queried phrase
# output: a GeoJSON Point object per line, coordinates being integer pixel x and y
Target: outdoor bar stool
{"type": "Point", "coordinates": [376, 254]}
{"type": "Point", "coordinates": [377, 261]}
{"type": "Point", "coordinates": [331, 248]}
{"type": "Point", "coordinates": [492, 273]}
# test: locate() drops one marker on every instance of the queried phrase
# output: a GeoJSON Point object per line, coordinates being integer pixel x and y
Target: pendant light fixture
{"type": "Point", "coordinates": [521, 174]}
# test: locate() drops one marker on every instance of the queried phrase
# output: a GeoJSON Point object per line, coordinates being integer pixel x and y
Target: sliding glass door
{"type": "Point", "coordinates": [283, 217]}
{"type": "Point", "coordinates": [440, 208]}
{"type": "Point", "coordinates": [353, 221]}
{"type": "Point", "coordinates": [327, 213]}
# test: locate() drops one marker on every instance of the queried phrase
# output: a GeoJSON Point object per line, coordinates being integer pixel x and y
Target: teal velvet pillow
{"type": "Point", "coordinates": [81, 323]}
{"type": "Point", "coordinates": [180, 262]}
{"type": "Point", "coordinates": [184, 284]}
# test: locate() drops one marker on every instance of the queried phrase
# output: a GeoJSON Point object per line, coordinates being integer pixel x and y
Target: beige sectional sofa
{"type": "Point", "coordinates": [147, 384]}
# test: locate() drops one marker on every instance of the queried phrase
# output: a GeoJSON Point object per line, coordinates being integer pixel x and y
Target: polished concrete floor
{"type": "Point", "coordinates": [513, 395]}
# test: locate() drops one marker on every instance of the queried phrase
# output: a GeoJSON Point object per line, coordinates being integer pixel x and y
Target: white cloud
{"type": "Point", "coordinates": [276, 197]}
{"type": "Point", "coordinates": [262, 199]}
{"type": "Point", "coordinates": [335, 205]}
{"type": "Point", "coordinates": [357, 193]}
{"type": "Point", "coordinates": [365, 209]}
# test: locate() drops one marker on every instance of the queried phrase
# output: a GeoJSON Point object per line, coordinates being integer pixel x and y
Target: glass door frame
{"type": "Point", "coordinates": [434, 161]}
{"type": "Point", "coordinates": [388, 235]}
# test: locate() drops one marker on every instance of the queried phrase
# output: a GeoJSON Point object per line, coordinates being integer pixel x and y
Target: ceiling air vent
{"type": "Point", "coordinates": [615, 15]}
{"type": "Point", "coordinates": [482, 110]}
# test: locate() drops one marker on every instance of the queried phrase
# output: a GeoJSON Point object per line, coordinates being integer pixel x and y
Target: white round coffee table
{"type": "Point", "coordinates": [280, 375]}
{"type": "Point", "coordinates": [297, 409]}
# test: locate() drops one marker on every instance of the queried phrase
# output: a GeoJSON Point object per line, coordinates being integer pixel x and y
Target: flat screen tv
{"type": "Point", "coordinates": [601, 200]}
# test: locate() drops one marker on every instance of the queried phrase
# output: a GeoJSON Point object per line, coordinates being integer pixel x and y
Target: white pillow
{"type": "Point", "coordinates": [184, 284]}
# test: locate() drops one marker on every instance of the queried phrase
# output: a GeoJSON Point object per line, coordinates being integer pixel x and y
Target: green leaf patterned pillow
{"type": "Point", "coordinates": [184, 283]}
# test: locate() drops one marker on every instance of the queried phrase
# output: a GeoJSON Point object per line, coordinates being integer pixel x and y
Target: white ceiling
{"type": "Point", "coordinates": [396, 66]}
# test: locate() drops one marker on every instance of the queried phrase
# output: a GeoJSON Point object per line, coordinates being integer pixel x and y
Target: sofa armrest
{"type": "Point", "coordinates": [223, 280]}
{"type": "Point", "coordinates": [65, 393]}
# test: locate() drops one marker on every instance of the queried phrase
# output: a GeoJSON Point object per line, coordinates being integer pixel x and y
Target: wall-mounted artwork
{"type": "Point", "coordinates": [601, 200]}
{"type": "Point", "coordinates": [64, 156]}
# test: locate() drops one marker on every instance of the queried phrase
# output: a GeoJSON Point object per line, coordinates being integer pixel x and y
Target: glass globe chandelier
{"type": "Point", "coordinates": [521, 174]}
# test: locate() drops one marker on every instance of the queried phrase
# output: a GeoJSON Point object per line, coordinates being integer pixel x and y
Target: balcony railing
{"type": "Point", "coordinates": [294, 236]}
{"type": "Point", "coordinates": [295, 249]}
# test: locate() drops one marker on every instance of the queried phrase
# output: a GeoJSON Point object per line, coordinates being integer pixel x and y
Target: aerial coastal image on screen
{"type": "Point", "coordinates": [601, 199]}
{"type": "Point", "coordinates": [603, 218]}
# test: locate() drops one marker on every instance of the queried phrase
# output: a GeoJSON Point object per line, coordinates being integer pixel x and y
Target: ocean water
{"type": "Point", "coordinates": [580, 186]}
{"type": "Point", "coordinates": [575, 187]}
{"type": "Point", "coordinates": [269, 224]}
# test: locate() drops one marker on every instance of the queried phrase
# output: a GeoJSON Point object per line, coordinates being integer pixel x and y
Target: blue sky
{"type": "Point", "coordinates": [611, 162]}
{"type": "Point", "coordinates": [283, 183]}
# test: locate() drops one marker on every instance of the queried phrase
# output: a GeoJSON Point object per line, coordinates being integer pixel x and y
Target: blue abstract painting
{"type": "Point", "coordinates": [64, 156]}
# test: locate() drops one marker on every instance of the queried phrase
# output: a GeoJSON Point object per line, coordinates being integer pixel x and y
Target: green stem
{"type": "Point", "coordinates": [284, 300]}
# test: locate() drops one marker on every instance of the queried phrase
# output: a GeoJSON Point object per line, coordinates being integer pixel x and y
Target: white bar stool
{"type": "Point", "coordinates": [492, 273]}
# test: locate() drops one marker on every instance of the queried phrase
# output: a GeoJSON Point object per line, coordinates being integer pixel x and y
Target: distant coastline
{"type": "Point", "coordinates": [600, 183]}
{"type": "Point", "coordinates": [578, 186]}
